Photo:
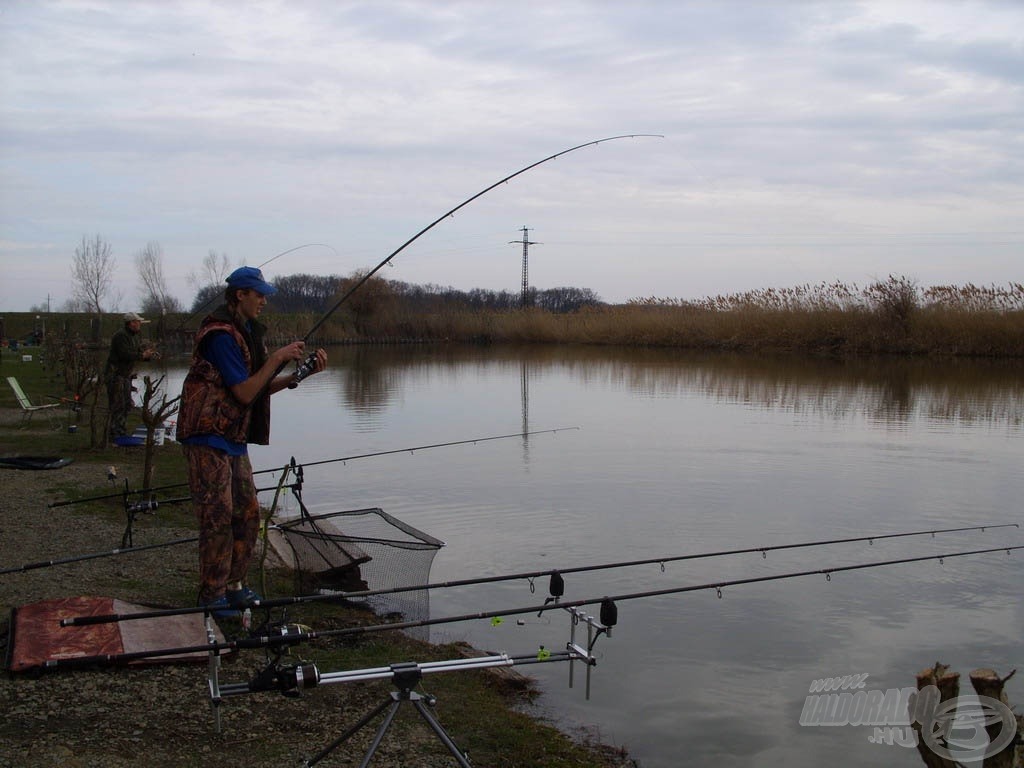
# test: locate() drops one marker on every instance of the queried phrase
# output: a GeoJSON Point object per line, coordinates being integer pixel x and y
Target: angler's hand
{"type": "Point", "coordinates": [289, 352]}
{"type": "Point", "coordinates": [321, 360]}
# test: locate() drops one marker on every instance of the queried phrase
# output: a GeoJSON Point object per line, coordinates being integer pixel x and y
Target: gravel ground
{"type": "Point", "coordinates": [159, 715]}
{"type": "Point", "coordinates": [154, 716]}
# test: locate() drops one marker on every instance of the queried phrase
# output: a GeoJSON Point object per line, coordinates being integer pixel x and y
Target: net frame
{"type": "Point", "coordinates": [359, 550]}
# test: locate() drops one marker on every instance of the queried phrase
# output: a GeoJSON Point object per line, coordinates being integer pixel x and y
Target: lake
{"type": "Point", "coordinates": [664, 454]}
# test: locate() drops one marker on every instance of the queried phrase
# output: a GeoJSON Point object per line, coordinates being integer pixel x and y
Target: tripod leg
{"type": "Point", "coordinates": [381, 731]}
{"type": "Point", "coordinates": [348, 734]}
{"type": "Point", "coordinates": [442, 734]}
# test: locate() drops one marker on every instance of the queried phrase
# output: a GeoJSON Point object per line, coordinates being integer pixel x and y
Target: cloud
{"type": "Point", "coordinates": [792, 130]}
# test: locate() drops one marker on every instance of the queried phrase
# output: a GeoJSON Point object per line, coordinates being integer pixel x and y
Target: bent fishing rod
{"type": "Point", "coordinates": [556, 584]}
{"type": "Point", "coordinates": [216, 296]}
{"type": "Point", "coordinates": [294, 634]}
{"type": "Point", "coordinates": [342, 459]}
{"type": "Point", "coordinates": [306, 367]}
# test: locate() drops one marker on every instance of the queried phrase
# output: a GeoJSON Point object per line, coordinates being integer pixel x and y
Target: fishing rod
{"type": "Point", "coordinates": [216, 296]}
{"type": "Point", "coordinates": [307, 366]}
{"type": "Point", "coordinates": [425, 447]}
{"type": "Point", "coordinates": [556, 585]}
{"type": "Point", "coordinates": [342, 459]}
{"type": "Point", "coordinates": [127, 547]}
{"type": "Point", "coordinates": [294, 634]}
{"type": "Point", "coordinates": [609, 600]}
{"type": "Point", "coordinates": [95, 555]}
{"type": "Point", "coordinates": [152, 503]}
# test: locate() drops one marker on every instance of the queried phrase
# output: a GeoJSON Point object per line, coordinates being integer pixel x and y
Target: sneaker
{"type": "Point", "coordinates": [242, 598]}
{"type": "Point", "coordinates": [220, 608]}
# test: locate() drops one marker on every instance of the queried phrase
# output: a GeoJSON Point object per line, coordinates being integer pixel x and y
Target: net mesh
{"type": "Point", "coordinates": [360, 550]}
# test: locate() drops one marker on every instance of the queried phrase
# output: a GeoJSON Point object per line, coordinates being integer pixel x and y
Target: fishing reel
{"type": "Point", "coordinates": [303, 369]}
{"type": "Point", "coordinates": [143, 506]}
{"type": "Point", "coordinates": [133, 510]}
{"type": "Point", "coordinates": [287, 679]}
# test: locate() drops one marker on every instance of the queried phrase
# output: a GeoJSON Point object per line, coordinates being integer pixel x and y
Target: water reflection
{"type": "Point", "coordinates": [684, 453]}
{"type": "Point", "coordinates": [367, 385]}
{"type": "Point", "coordinates": [887, 391]}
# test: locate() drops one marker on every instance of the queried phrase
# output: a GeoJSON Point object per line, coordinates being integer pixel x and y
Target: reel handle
{"type": "Point", "coordinates": [302, 370]}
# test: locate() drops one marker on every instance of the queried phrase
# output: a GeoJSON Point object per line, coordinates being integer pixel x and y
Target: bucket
{"type": "Point", "coordinates": [72, 428]}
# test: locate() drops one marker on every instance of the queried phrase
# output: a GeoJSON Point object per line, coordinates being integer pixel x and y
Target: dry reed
{"type": "Point", "coordinates": [887, 316]}
{"type": "Point", "coordinates": [891, 316]}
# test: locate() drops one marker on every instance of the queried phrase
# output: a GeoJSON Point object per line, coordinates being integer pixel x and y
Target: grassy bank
{"type": "Point", "coordinates": [111, 716]}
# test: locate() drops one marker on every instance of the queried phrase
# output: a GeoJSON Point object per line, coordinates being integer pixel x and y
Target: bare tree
{"type": "Point", "coordinates": [73, 304]}
{"type": "Point", "coordinates": [208, 283]}
{"type": "Point", "coordinates": [156, 299]}
{"type": "Point", "coordinates": [92, 272]}
{"type": "Point", "coordinates": [214, 271]}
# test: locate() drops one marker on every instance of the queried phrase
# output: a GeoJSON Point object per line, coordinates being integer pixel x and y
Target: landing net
{"type": "Point", "coordinates": [359, 550]}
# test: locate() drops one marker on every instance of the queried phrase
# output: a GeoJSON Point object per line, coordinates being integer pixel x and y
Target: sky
{"type": "Point", "coordinates": [803, 142]}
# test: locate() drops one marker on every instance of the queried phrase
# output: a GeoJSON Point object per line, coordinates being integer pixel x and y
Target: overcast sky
{"type": "Point", "coordinates": [804, 142]}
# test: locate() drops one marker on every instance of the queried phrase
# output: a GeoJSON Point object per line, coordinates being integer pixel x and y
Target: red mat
{"type": "Point", "coordinates": [36, 636]}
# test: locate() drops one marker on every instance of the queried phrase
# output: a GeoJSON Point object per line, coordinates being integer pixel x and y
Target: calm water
{"type": "Point", "coordinates": [673, 454]}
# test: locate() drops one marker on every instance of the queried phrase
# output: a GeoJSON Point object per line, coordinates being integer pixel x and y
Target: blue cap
{"type": "Point", "coordinates": [250, 277]}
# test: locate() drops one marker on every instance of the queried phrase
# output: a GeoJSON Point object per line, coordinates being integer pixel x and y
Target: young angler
{"type": "Point", "coordinates": [225, 405]}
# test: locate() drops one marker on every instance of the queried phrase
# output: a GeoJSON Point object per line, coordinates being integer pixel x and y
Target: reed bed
{"type": "Point", "coordinates": [893, 316]}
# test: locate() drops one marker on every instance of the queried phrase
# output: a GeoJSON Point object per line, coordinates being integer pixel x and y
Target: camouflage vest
{"type": "Point", "coordinates": [208, 407]}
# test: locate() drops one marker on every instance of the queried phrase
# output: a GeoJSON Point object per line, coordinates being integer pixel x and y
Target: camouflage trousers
{"type": "Point", "coordinates": [119, 400]}
{"type": "Point", "coordinates": [224, 499]}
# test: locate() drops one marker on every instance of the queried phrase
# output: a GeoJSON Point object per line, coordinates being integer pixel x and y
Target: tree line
{"type": "Point", "coordinates": [316, 294]}
{"type": "Point", "coordinates": [93, 268]}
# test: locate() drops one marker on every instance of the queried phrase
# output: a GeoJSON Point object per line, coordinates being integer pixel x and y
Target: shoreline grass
{"type": "Point", "coordinates": [888, 317]}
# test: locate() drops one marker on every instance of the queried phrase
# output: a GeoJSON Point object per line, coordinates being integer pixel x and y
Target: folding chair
{"type": "Point", "coordinates": [28, 409]}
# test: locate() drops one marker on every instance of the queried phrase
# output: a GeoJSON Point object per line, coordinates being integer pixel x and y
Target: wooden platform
{"type": "Point", "coordinates": [313, 545]}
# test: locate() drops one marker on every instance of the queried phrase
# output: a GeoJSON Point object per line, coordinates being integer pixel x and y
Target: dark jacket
{"type": "Point", "coordinates": [125, 351]}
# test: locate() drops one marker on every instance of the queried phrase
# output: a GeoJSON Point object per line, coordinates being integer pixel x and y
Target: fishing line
{"type": "Point", "coordinates": [298, 247]}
